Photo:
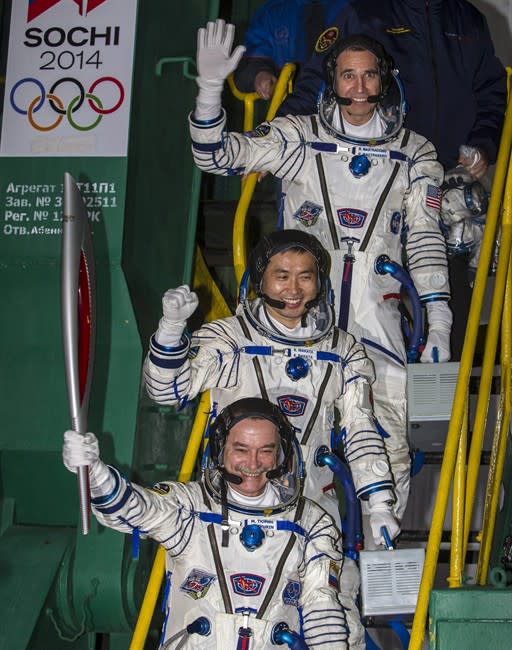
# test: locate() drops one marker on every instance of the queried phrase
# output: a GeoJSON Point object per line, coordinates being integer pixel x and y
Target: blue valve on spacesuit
{"type": "Point", "coordinates": [252, 537]}
{"type": "Point", "coordinates": [297, 368]}
{"type": "Point", "coordinates": [282, 634]}
{"type": "Point", "coordinates": [201, 626]}
{"type": "Point", "coordinates": [359, 165]}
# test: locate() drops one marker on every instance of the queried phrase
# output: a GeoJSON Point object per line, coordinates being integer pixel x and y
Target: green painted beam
{"type": "Point", "coordinates": [470, 618]}
{"type": "Point", "coordinates": [30, 559]}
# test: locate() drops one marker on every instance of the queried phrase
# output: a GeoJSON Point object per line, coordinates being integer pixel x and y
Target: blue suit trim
{"type": "Point", "coordinates": [435, 297]}
{"type": "Point", "coordinates": [100, 501]}
{"type": "Point", "coordinates": [365, 492]}
{"type": "Point", "coordinates": [381, 348]}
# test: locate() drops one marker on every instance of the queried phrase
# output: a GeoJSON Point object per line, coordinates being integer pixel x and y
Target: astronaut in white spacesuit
{"type": "Point", "coordinates": [246, 554]}
{"type": "Point", "coordinates": [353, 176]}
{"type": "Point", "coordinates": [284, 346]}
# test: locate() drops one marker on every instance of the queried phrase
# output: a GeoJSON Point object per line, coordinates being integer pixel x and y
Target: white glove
{"type": "Point", "coordinates": [437, 347]}
{"type": "Point", "coordinates": [177, 305]}
{"type": "Point", "coordinates": [214, 64]}
{"type": "Point", "coordinates": [83, 450]}
{"type": "Point", "coordinates": [381, 514]}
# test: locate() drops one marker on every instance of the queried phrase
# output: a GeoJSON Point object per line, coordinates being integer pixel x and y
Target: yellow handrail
{"type": "Point", "coordinates": [457, 417]}
{"type": "Point", "coordinates": [459, 492]}
{"type": "Point", "coordinates": [504, 274]}
{"type": "Point", "coordinates": [248, 99]}
{"type": "Point", "coordinates": [282, 88]}
{"type": "Point", "coordinates": [491, 342]}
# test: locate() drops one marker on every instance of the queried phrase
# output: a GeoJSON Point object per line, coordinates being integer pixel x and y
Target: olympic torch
{"type": "Point", "coordinates": [78, 315]}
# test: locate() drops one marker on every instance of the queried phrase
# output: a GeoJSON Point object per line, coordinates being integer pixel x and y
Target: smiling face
{"type": "Point", "coordinates": [251, 451]}
{"type": "Point", "coordinates": [291, 277]}
{"type": "Point", "coordinates": [357, 78]}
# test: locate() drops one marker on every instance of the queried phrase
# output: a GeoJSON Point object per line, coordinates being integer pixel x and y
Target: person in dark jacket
{"type": "Point", "coordinates": [454, 83]}
{"type": "Point", "coordinates": [281, 31]}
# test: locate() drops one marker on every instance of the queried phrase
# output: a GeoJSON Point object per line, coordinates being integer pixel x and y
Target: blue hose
{"type": "Point", "coordinates": [352, 542]}
{"type": "Point", "coordinates": [282, 634]}
{"type": "Point", "coordinates": [384, 265]}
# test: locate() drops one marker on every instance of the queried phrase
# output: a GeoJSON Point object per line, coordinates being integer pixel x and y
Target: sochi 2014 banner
{"type": "Point", "coordinates": [69, 75]}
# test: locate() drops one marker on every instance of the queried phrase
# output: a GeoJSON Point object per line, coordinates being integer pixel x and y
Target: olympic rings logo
{"type": "Point", "coordinates": [57, 104]}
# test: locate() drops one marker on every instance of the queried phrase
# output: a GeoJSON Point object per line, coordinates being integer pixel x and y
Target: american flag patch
{"type": "Point", "coordinates": [433, 197]}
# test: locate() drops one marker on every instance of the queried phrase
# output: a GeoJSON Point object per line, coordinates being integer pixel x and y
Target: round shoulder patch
{"type": "Point", "coordinates": [326, 39]}
{"type": "Point", "coordinates": [160, 488]}
{"type": "Point", "coordinates": [259, 132]}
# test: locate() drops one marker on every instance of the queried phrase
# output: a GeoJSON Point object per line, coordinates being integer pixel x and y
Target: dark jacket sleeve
{"type": "Point", "coordinates": [248, 68]}
{"type": "Point", "coordinates": [490, 90]}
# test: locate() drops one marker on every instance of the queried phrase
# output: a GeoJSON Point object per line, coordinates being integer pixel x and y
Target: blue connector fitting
{"type": "Point", "coordinates": [359, 166]}
{"type": "Point", "coordinates": [252, 537]}
{"type": "Point", "coordinates": [201, 626]}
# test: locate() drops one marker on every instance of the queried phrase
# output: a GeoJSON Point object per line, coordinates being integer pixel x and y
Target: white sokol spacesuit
{"type": "Point", "coordinates": [309, 372]}
{"type": "Point", "coordinates": [245, 566]}
{"type": "Point", "coordinates": [362, 191]}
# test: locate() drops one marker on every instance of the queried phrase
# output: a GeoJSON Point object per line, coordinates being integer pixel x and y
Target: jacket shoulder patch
{"type": "Point", "coordinates": [327, 38]}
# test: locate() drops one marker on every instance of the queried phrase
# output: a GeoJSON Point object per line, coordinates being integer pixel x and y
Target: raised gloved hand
{"type": "Point", "coordinates": [83, 450]}
{"type": "Point", "coordinates": [437, 347]}
{"type": "Point", "coordinates": [380, 505]}
{"type": "Point", "coordinates": [215, 63]}
{"type": "Point", "coordinates": [177, 305]}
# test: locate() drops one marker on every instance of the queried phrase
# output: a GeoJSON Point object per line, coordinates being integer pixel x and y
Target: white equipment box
{"type": "Point", "coordinates": [430, 390]}
{"type": "Point", "coordinates": [390, 581]}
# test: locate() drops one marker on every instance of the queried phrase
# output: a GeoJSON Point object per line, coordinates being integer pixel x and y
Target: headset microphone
{"type": "Point", "coordinates": [375, 99]}
{"type": "Point", "coordinates": [277, 304]}
{"type": "Point", "coordinates": [231, 478]}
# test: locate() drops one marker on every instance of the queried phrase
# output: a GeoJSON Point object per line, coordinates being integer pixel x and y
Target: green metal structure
{"type": "Point", "coordinates": [59, 589]}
